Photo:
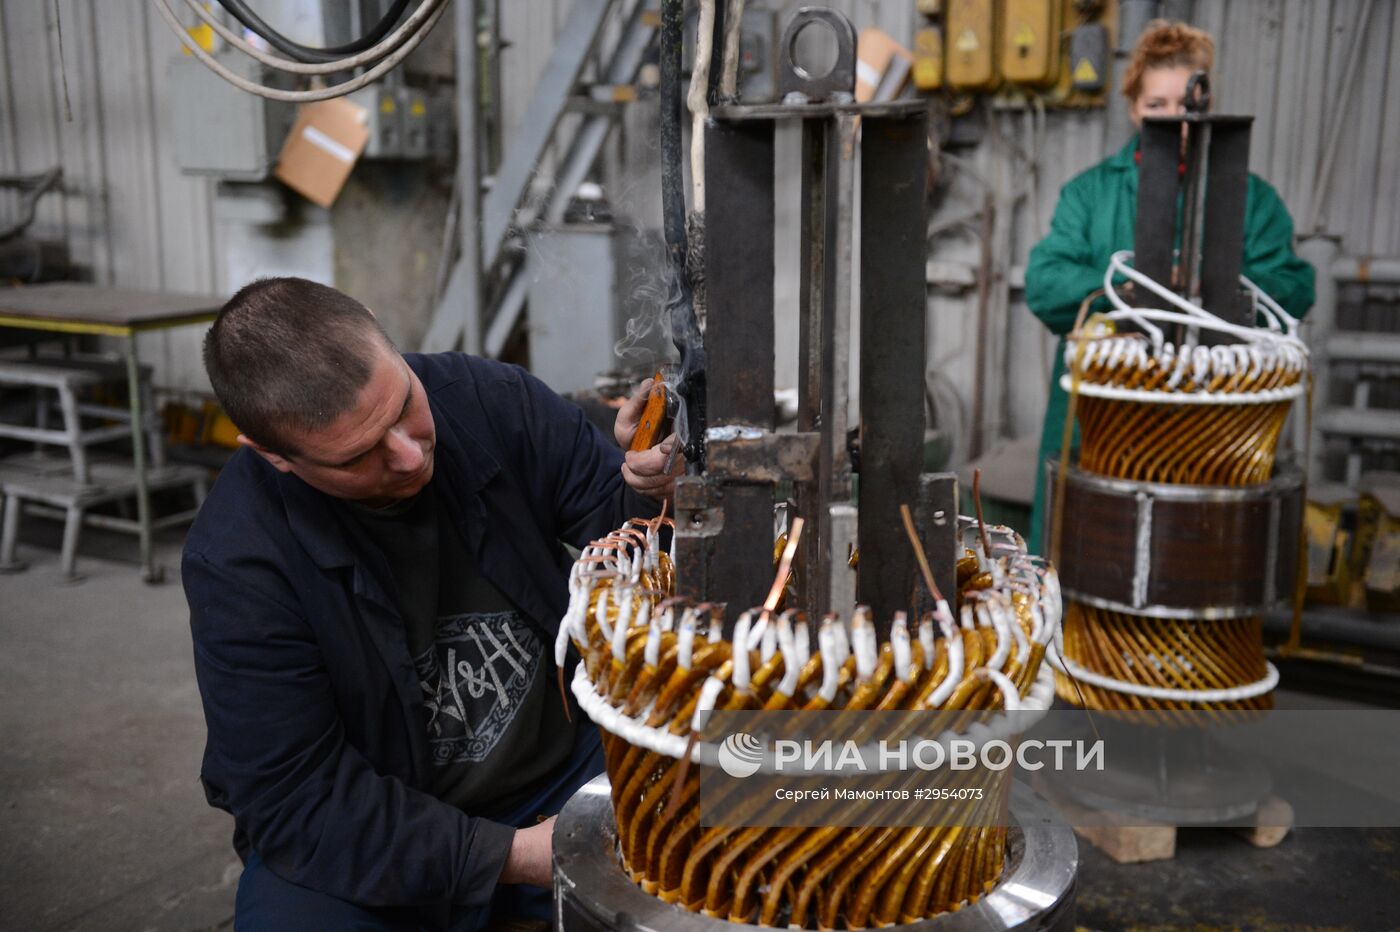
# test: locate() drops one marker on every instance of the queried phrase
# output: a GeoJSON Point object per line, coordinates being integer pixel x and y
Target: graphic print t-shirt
{"type": "Point", "coordinates": [495, 722]}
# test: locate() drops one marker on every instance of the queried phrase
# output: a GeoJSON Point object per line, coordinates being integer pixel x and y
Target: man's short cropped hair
{"type": "Point", "coordinates": [287, 355]}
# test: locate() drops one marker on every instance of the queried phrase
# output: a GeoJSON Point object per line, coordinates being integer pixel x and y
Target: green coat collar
{"type": "Point", "coordinates": [1126, 158]}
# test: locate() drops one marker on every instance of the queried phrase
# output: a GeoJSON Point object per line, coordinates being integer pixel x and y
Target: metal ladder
{"type": "Point", "coordinates": [554, 95]}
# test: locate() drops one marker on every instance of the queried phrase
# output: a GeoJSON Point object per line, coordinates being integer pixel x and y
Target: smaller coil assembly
{"type": "Point", "coordinates": [1183, 532]}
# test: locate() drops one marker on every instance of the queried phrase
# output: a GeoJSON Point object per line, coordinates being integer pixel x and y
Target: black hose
{"type": "Point", "coordinates": [685, 329]}
{"type": "Point", "coordinates": [672, 175]}
{"type": "Point", "coordinates": [716, 56]}
{"type": "Point", "coordinates": [240, 11]}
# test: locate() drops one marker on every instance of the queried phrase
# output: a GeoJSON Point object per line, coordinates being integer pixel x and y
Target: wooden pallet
{"type": "Point", "coordinates": [1136, 843]}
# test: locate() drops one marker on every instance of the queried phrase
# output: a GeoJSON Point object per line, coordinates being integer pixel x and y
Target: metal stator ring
{"type": "Point", "coordinates": [592, 893]}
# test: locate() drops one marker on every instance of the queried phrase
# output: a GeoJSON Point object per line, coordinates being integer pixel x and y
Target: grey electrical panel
{"type": "Point", "coordinates": [221, 130]}
{"type": "Point", "coordinates": [385, 121]}
{"type": "Point", "coordinates": [1088, 57]}
{"type": "Point", "coordinates": [407, 122]}
{"type": "Point", "coordinates": [442, 126]}
{"type": "Point", "coordinates": [413, 112]}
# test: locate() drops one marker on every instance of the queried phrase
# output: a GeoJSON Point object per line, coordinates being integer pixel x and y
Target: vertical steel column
{"type": "Point", "coordinates": [938, 532]}
{"type": "Point", "coordinates": [151, 572]}
{"type": "Point", "coordinates": [828, 155]}
{"type": "Point", "coordinates": [469, 173]}
{"type": "Point", "coordinates": [1222, 234]}
{"type": "Point", "coordinates": [838, 521]}
{"type": "Point", "coordinates": [738, 553]}
{"type": "Point", "coordinates": [1186, 279]}
{"type": "Point", "coordinates": [1159, 185]}
{"type": "Point", "coordinates": [894, 189]}
{"type": "Point", "coordinates": [816, 216]}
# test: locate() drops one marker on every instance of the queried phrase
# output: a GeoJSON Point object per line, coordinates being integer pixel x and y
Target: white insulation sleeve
{"type": "Point", "coordinates": [1275, 346]}
{"type": "Point", "coordinates": [652, 650]}
{"type": "Point", "coordinates": [867, 651]}
{"type": "Point", "coordinates": [685, 640]}
{"type": "Point", "coordinates": [561, 643]}
{"type": "Point", "coordinates": [741, 674]}
{"type": "Point", "coordinates": [624, 615]}
{"type": "Point", "coordinates": [831, 662]}
{"type": "Point", "coordinates": [1162, 693]}
{"type": "Point", "coordinates": [927, 642]}
{"type": "Point", "coordinates": [761, 634]}
{"type": "Point", "coordinates": [998, 625]}
{"type": "Point", "coordinates": [787, 646]}
{"type": "Point", "coordinates": [801, 638]}
{"type": "Point", "coordinates": [902, 649]}
{"type": "Point", "coordinates": [601, 614]}
{"type": "Point", "coordinates": [706, 703]}
{"type": "Point", "coordinates": [635, 731]}
{"type": "Point", "coordinates": [955, 670]}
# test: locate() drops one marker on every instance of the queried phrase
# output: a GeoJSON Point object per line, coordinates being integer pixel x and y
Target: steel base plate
{"type": "Point", "coordinates": [592, 892]}
{"type": "Point", "coordinates": [1193, 781]}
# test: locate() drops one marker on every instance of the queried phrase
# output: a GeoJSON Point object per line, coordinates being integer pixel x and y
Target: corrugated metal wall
{"type": "Point", "coordinates": [1284, 61]}
{"type": "Point", "coordinates": [126, 211]}
{"type": "Point", "coordinates": [130, 215]}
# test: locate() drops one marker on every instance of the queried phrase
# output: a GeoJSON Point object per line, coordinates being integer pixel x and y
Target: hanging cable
{"type": "Point", "coordinates": [672, 177]}
{"type": "Point", "coordinates": [698, 101]}
{"type": "Point", "coordinates": [247, 17]}
{"type": "Point", "coordinates": [685, 326]}
{"type": "Point", "coordinates": [370, 56]}
{"type": "Point", "coordinates": [733, 40]}
{"type": "Point", "coordinates": [432, 9]}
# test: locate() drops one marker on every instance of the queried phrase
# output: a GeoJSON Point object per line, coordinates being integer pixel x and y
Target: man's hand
{"type": "Point", "coordinates": [531, 854]}
{"type": "Point", "coordinates": [645, 470]}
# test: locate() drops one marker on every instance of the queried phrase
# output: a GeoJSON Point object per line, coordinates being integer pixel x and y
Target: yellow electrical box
{"type": "Point", "coordinates": [1030, 41]}
{"type": "Point", "coordinates": [928, 58]}
{"type": "Point", "coordinates": [971, 38]}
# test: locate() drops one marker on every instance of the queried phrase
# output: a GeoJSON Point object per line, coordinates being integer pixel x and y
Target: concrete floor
{"type": "Point", "coordinates": [101, 732]}
{"type": "Point", "coordinates": [106, 828]}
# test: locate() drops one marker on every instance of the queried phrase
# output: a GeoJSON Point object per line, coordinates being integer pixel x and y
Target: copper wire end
{"type": "Point", "coordinates": [919, 554]}
{"type": "Point", "coordinates": [977, 505]}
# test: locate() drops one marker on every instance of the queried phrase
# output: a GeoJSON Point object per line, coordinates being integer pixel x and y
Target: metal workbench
{"type": "Point", "coordinates": [76, 309]}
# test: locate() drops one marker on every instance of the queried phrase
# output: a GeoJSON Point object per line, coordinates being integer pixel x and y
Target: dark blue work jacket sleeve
{"type": "Point", "coordinates": [317, 742]}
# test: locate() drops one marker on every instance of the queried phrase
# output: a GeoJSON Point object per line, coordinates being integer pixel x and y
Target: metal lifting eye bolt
{"type": "Point", "coordinates": [1198, 93]}
{"type": "Point", "coordinates": [840, 80]}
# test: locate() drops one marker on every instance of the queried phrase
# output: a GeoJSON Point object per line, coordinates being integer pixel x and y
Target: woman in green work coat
{"type": "Point", "coordinates": [1098, 208]}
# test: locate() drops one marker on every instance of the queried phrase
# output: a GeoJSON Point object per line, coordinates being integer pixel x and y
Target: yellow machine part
{"type": "Point", "coordinates": [1328, 548]}
{"type": "Point", "coordinates": [928, 58]}
{"type": "Point", "coordinates": [1381, 550]}
{"type": "Point", "coordinates": [972, 45]}
{"type": "Point", "coordinates": [1062, 92]}
{"type": "Point", "coordinates": [219, 430]}
{"type": "Point", "coordinates": [1030, 41]}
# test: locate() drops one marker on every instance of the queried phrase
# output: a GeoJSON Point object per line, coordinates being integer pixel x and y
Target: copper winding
{"type": "Point", "coordinates": [671, 654]}
{"type": "Point", "coordinates": [1230, 440]}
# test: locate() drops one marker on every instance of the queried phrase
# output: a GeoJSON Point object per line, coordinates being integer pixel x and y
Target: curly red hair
{"type": "Point", "coordinates": [1167, 45]}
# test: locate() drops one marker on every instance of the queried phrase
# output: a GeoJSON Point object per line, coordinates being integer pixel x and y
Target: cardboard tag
{"type": "Point", "coordinates": [876, 52]}
{"type": "Point", "coordinates": [325, 142]}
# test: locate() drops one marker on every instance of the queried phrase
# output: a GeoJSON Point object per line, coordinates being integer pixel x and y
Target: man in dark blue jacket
{"type": "Point", "coordinates": [375, 584]}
